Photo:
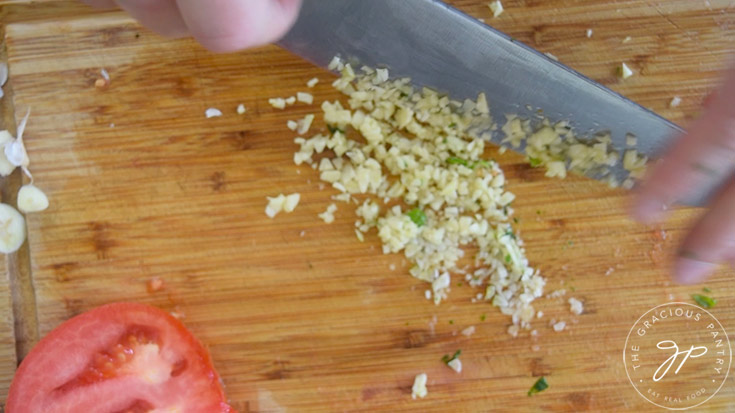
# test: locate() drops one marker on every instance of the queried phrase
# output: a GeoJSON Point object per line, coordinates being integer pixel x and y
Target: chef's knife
{"type": "Point", "coordinates": [438, 46]}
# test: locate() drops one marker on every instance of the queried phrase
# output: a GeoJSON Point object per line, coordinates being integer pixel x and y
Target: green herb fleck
{"type": "Point", "coordinates": [516, 220]}
{"type": "Point", "coordinates": [417, 216]}
{"type": "Point", "coordinates": [451, 321]}
{"type": "Point", "coordinates": [459, 284]}
{"type": "Point", "coordinates": [446, 359]}
{"type": "Point", "coordinates": [453, 160]}
{"type": "Point", "coordinates": [534, 162]}
{"type": "Point", "coordinates": [404, 94]}
{"type": "Point", "coordinates": [704, 301]}
{"type": "Point", "coordinates": [483, 317]}
{"type": "Point", "coordinates": [510, 233]}
{"type": "Point", "coordinates": [706, 290]}
{"type": "Point", "coordinates": [538, 387]}
{"type": "Point", "coordinates": [572, 289]}
{"type": "Point", "coordinates": [507, 258]}
{"type": "Point", "coordinates": [482, 163]}
{"type": "Point", "coordinates": [570, 243]}
{"type": "Point", "coordinates": [538, 212]}
{"type": "Point", "coordinates": [453, 125]}
{"type": "Point", "coordinates": [333, 129]}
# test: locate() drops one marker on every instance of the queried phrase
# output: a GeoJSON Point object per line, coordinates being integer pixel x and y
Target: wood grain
{"type": "Point", "coordinates": [142, 186]}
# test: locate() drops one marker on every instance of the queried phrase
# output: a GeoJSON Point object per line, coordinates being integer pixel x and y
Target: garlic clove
{"type": "Point", "coordinates": [6, 168]}
{"type": "Point", "coordinates": [5, 137]}
{"type": "Point", "coordinates": [31, 199]}
{"type": "Point", "coordinates": [12, 229]}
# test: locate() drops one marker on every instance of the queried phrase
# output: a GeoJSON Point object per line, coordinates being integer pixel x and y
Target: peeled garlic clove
{"type": "Point", "coordinates": [5, 137]}
{"type": "Point", "coordinates": [6, 168]}
{"type": "Point", "coordinates": [31, 199]}
{"type": "Point", "coordinates": [12, 229]}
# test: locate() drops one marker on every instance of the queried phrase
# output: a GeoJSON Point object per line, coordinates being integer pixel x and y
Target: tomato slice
{"type": "Point", "coordinates": [118, 358]}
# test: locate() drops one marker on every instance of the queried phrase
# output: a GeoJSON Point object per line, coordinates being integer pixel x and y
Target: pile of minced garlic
{"type": "Point", "coordinates": [412, 163]}
{"type": "Point", "coordinates": [557, 148]}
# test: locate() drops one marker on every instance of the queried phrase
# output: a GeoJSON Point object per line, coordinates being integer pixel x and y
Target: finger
{"type": "Point", "coordinates": [711, 242]}
{"type": "Point", "coordinates": [101, 4]}
{"type": "Point", "coordinates": [699, 158]}
{"type": "Point", "coordinates": [229, 25]}
{"type": "Point", "coordinates": [161, 16]}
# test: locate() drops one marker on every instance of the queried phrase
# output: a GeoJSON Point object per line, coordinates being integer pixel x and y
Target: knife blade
{"type": "Point", "coordinates": [440, 47]}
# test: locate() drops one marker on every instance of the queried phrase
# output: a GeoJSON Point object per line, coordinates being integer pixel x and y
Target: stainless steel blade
{"type": "Point", "coordinates": [438, 46]}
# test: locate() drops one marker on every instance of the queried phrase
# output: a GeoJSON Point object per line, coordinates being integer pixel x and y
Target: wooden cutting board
{"type": "Point", "coordinates": [300, 315]}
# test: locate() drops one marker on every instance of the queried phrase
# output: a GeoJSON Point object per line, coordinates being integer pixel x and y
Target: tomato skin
{"type": "Point", "coordinates": [62, 372]}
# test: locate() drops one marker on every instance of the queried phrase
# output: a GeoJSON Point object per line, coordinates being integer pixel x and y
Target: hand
{"type": "Point", "coordinates": [219, 25]}
{"type": "Point", "coordinates": [709, 146]}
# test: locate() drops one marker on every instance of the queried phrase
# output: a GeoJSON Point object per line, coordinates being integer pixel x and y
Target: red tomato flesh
{"type": "Point", "coordinates": [118, 358]}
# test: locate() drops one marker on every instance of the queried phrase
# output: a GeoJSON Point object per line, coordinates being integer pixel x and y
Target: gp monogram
{"type": "Point", "coordinates": [677, 356]}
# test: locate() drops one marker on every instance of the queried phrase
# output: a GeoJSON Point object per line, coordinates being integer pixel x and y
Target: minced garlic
{"type": "Point", "coordinates": [624, 71]}
{"type": "Point", "coordinates": [278, 103]}
{"type": "Point", "coordinates": [417, 148]}
{"type": "Point", "coordinates": [559, 327]}
{"type": "Point", "coordinates": [328, 215]}
{"type": "Point", "coordinates": [285, 203]}
{"type": "Point", "coordinates": [419, 386]}
{"type": "Point", "coordinates": [455, 364]}
{"type": "Point", "coordinates": [496, 7]}
{"type": "Point", "coordinates": [303, 97]}
{"type": "Point", "coordinates": [575, 306]}
{"type": "Point", "coordinates": [212, 113]}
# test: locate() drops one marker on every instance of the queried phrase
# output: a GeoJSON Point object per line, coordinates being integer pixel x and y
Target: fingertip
{"type": "Point", "coordinates": [249, 25]}
{"type": "Point", "coordinates": [647, 209]}
{"type": "Point", "coordinates": [227, 44]}
{"type": "Point", "coordinates": [689, 271]}
{"type": "Point", "coordinates": [161, 16]}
